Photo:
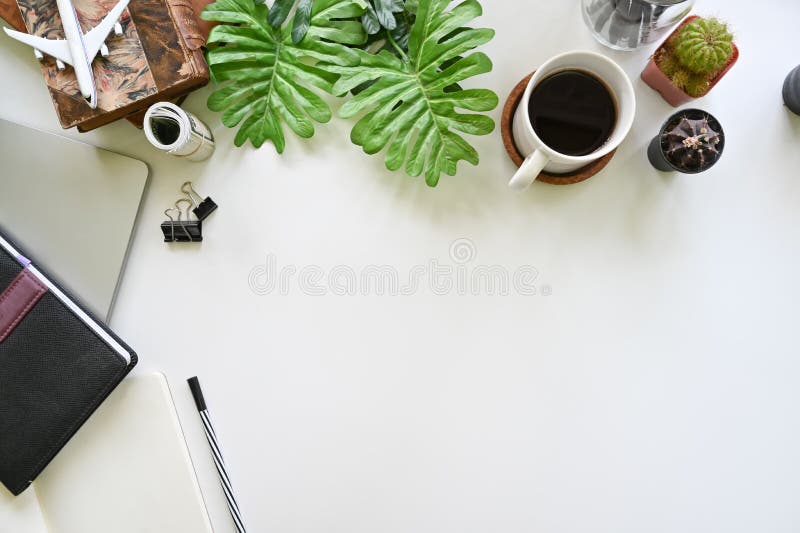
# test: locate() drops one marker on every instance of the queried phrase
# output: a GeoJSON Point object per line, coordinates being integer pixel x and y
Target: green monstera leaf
{"type": "Point", "coordinates": [412, 104]}
{"type": "Point", "coordinates": [268, 78]}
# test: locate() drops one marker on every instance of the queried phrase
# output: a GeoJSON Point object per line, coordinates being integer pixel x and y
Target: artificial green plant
{"type": "Point", "coordinates": [267, 78]}
{"type": "Point", "coordinates": [401, 76]}
{"type": "Point", "coordinates": [412, 105]}
{"type": "Point", "coordinates": [378, 14]}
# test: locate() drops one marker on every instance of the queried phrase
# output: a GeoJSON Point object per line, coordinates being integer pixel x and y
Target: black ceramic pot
{"type": "Point", "coordinates": [791, 91]}
{"type": "Point", "coordinates": [657, 150]}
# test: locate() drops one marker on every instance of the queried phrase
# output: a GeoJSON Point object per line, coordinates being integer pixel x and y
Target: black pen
{"type": "Point", "coordinates": [197, 392]}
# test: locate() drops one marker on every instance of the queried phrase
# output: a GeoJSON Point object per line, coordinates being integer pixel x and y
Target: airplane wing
{"type": "Point", "coordinates": [94, 38]}
{"type": "Point", "coordinates": [57, 48]}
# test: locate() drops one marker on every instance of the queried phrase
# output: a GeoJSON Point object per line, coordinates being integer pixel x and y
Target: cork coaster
{"type": "Point", "coordinates": [510, 108]}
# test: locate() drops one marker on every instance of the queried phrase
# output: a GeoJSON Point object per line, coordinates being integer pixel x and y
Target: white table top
{"type": "Point", "coordinates": [653, 389]}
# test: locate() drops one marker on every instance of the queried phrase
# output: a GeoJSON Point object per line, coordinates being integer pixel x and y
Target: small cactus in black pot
{"type": "Point", "coordinates": [690, 141]}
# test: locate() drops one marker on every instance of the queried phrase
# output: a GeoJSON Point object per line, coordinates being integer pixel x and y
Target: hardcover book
{"type": "Point", "coordinates": [58, 363]}
{"type": "Point", "coordinates": [158, 57]}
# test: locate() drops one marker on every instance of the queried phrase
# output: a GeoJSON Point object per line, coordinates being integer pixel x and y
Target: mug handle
{"type": "Point", "coordinates": [529, 170]}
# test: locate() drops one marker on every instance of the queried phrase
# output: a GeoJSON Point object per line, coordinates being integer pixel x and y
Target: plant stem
{"type": "Point", "coordinates": [396, 46]}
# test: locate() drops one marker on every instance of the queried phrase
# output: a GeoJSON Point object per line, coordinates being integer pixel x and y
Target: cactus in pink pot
{"type": "Point", "coordinates": [692, 60]}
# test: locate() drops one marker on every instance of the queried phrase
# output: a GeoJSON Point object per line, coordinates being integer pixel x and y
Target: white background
{"type": "Point", "coordinates": [655, 389]}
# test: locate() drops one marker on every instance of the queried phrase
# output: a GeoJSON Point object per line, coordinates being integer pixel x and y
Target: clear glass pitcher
{"type": "Point", "coordinates": [628, 24]}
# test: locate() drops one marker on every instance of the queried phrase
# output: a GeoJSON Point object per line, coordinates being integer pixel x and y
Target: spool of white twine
{"type": "Point", "coordinates": [178, 132]}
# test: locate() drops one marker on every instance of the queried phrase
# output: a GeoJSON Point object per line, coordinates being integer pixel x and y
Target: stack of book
{"type": "Point", "coordinates": [158, 57]}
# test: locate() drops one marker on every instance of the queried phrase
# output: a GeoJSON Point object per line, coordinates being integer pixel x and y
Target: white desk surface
{"type": "Point", "coordinates": [655, 389]}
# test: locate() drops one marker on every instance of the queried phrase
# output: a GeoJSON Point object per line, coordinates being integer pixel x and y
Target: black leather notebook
{"type": "Point", "coordinates": [57, 365]}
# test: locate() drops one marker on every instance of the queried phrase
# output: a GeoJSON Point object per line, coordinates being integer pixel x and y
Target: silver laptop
{"type": "Point", "coordinates": [72, 207]}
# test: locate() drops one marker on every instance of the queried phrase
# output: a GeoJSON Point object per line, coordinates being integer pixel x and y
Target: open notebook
{"type": "Point", "coordinates": [127, 470]}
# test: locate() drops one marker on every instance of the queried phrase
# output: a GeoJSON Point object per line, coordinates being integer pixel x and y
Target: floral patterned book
{"type": "Point", "coordinates": [157, 57]}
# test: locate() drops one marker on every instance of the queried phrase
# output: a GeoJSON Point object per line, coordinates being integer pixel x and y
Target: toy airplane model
{"type": "Point", "coordinates": [78, 49]}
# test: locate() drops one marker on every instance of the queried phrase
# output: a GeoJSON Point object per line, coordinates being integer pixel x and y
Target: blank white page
{"type": "Point", "coordinates": [20, 514]}
{"type": "Point", "coordinates": [127, 470]}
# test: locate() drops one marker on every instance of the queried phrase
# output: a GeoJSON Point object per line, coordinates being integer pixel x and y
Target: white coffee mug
{"type": "Point", "coordinates": [539, 156]}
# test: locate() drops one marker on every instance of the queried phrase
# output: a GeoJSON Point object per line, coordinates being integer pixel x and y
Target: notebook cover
{"type": "Point", "coordinates": [158, 57]}
{"type": "Point", "coordinates": [128, 470]}
{"type": "Point", "coordinates": [54, 372]}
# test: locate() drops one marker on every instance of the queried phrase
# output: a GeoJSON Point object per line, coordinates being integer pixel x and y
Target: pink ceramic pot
{"type": "Point", "coordinates": [659, 81]}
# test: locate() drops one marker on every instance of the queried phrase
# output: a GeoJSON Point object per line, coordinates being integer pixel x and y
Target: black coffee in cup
{"type": "Point", "coordinates": [572, 112]}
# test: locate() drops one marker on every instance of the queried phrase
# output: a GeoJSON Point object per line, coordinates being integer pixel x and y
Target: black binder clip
{"type": "Point", "coordinates": [180, 230]}
{"type": "Point", "coordinates": [202, 208]}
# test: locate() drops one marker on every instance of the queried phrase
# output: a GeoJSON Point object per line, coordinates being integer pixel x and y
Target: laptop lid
{"type": "Point", "coordinates": [72, 206]}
